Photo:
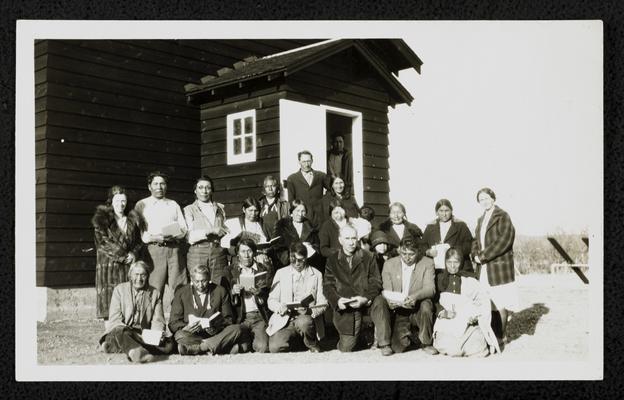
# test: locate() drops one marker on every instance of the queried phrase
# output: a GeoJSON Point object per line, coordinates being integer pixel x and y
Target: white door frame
{"type": "Point", "coordinates": [357, 150]}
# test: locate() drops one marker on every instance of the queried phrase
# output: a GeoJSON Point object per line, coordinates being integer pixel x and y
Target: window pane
{"type": "Point", "coordinates": [237, 146]}
{"type": "Point", "coordinates": [248, 124]}
{"type": "Point", "coordinates": [237, 127]}
{"type": "Point", "coordinates": [248, 144]}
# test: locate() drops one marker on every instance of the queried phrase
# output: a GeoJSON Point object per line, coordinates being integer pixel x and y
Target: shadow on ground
{"type": "Point", "coordinates": [525, 321]}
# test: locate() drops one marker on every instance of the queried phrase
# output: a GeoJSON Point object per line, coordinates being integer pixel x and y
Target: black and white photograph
{"type": "Point", "coordinates": [309, 200]}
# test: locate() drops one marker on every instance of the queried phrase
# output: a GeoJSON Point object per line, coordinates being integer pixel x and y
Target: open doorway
{"type": "Point", "coordinates": [347, 125]}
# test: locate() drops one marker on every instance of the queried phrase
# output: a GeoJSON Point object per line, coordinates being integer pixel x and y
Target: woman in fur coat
{"type": "Point", "coordinates": [118, 244]}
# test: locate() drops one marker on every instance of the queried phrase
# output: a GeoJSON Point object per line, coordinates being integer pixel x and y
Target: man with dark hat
{"type": "Point", "coordinates": [408, 283]}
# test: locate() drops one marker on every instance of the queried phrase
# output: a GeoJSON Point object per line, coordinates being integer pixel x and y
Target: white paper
{"type": "Point", "coordinates": [438, 260]}
{"type": "Point", "coordinates": [311, 250]}
{"type": "Point", "coordinates": [204, 322]}
{"type": "Point", "coordinates": [396, 297]}
{"type": "Point", "coordinates": [151, 336]}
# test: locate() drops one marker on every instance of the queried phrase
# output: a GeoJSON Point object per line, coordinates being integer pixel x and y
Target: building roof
{"type": "Point", "coordinates": [385, 56]}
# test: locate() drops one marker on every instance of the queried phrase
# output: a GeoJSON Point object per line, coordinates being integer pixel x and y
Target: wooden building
{"type": "Point", "coordinates": [110, 111]}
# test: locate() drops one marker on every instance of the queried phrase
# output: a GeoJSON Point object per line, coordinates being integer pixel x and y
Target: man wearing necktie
{"type": "Point", "coordinates": [412, 276]}
{"type": "Point", "coordinates": [307, 185]}
{"type": "Point", "coordinates": [203, 299]}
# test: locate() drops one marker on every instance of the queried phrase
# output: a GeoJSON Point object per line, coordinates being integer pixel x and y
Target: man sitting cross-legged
{"type": "Point", "coordinates": [293, 284]}
{"type": "Point", "coordinates": [200, 301]}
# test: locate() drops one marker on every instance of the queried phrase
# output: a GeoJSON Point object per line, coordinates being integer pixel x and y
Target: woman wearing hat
{"type": "Point", "coordinates": [492, 251]}
{"type": "Point", "coordinates": [449, 230]}
{"type": "Point", "coordinates": [381, 248]}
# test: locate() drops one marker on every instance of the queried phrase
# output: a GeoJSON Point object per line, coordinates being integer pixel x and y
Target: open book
{"type": "Point", "coordinates": [204, 322]}
{"type": "Point", "coordinates": [305, 302]}
{"type": "Point", "coordinates": [395, 297]}
{"type": "Point", "coordinates": [172, 230]}
{"type": "Point", "coordinates": [151, 336]}
{"type": "Point", "coordinates": [250, 281]}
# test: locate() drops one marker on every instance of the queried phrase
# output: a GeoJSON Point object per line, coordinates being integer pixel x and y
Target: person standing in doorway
{"type": "Point", "coordinates": [340, 163]}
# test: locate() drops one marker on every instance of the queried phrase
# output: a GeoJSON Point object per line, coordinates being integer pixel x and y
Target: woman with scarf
{"type": "Point", "coordinates": [462, 328]}
{"type": "Point", "coordinates": [118, 244]}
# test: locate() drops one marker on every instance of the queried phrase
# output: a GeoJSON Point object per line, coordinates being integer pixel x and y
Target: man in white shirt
{"type": "Point", "coordinates": [205, 220]}
{"type": "Point", "coordinates": [165, 229]}
{"type": "Point", "coordinates": [409, 285]}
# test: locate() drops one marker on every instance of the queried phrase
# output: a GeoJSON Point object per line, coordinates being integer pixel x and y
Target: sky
{"type": "Point", "coordinates": [516, 107]}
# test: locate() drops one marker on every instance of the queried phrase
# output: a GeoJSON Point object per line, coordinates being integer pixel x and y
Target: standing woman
{"type": "Point", "coordinates": [118, 244]}
{"type": "Point", "coordinates": [296, 228]}
{"type": "Point", "coordinates": [248, 225]}
{"type": "Point", "coordinates": [330, 230]}
{"type": "Point", "coordinates": [493, 252]}
{"type": "Point", "coordinates": [397, 227]}
{"type": "Point", "coordinates": [450, 230]}
{"type": "Point", "coordinates": [339, 192]}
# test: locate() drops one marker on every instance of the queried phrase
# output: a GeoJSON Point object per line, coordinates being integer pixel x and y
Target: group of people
{"type": "Point", "coordinates": [270, 280]}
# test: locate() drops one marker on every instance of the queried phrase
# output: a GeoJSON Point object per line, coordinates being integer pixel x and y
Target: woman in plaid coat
{"type": "Point", "coordinates": [493, 252]}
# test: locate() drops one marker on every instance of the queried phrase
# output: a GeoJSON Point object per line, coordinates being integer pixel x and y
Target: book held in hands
{"type": "Point", "coordinates": [251, 281]}
{"type": "Point", "coordinates": [172, 230]}
{"type": "Point", "coordinates": [204, 322]}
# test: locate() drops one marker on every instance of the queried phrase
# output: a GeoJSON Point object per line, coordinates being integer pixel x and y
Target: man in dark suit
{"type": "Point", "coordinates": [412, 276]}
{"type": "Point", "coordinates": [203, 299]}
{"type": "Point", "coordinates": [352, 286]}
{"type": "Point", "coordinates": [307, 185]}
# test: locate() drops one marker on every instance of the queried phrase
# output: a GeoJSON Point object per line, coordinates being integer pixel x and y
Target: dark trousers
{"type": "Point", "coordinates": [122, 339]}
{"type": "Point", "coordinates": [299, 326]}
{"type": "Point", "coordinates": [221, 343]}
{"type": "Point", "coordinates": [254, 333]}
{"type": "Point", "coordinates": [379, 313]}
{"type": "Point", "coordinates": [408, 321]}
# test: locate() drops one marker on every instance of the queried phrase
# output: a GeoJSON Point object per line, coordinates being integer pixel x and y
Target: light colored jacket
{"type": "Point", "coordinates": [282, 293]}
{"type": "Point", "coordinates": [422, 282]}
{"type": "Point", "coordinates": [121, 308]}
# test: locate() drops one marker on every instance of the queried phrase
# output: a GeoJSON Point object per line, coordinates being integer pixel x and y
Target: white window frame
{"type": "Point", "coordinates": [233, 159]}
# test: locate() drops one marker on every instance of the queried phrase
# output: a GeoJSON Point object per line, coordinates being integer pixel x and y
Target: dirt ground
{"type": "Point", "coordinates": [553, 325]}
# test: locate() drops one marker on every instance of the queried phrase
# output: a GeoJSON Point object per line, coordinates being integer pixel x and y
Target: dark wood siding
{"type": "Point", "coordinates": [236, 182]}
{"type": "Point", "coordinates": [343, 81]}
{"type": "Point", "coordinates": [108, 112]}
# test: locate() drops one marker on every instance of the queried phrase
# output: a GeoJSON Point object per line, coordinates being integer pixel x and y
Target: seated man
{"type": "Point", "coordinates": [352, 285]}
{"type": "Point", "coordinates": [250, 304]}
{"type": "Point", "coordinates": [408, 283]}
{"type": "Point", "coordinates": [135, 306]}
{"type": "Point", "coordinates": [292, 284]}
{"type": "Point", "coordinates": [202, 299]}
